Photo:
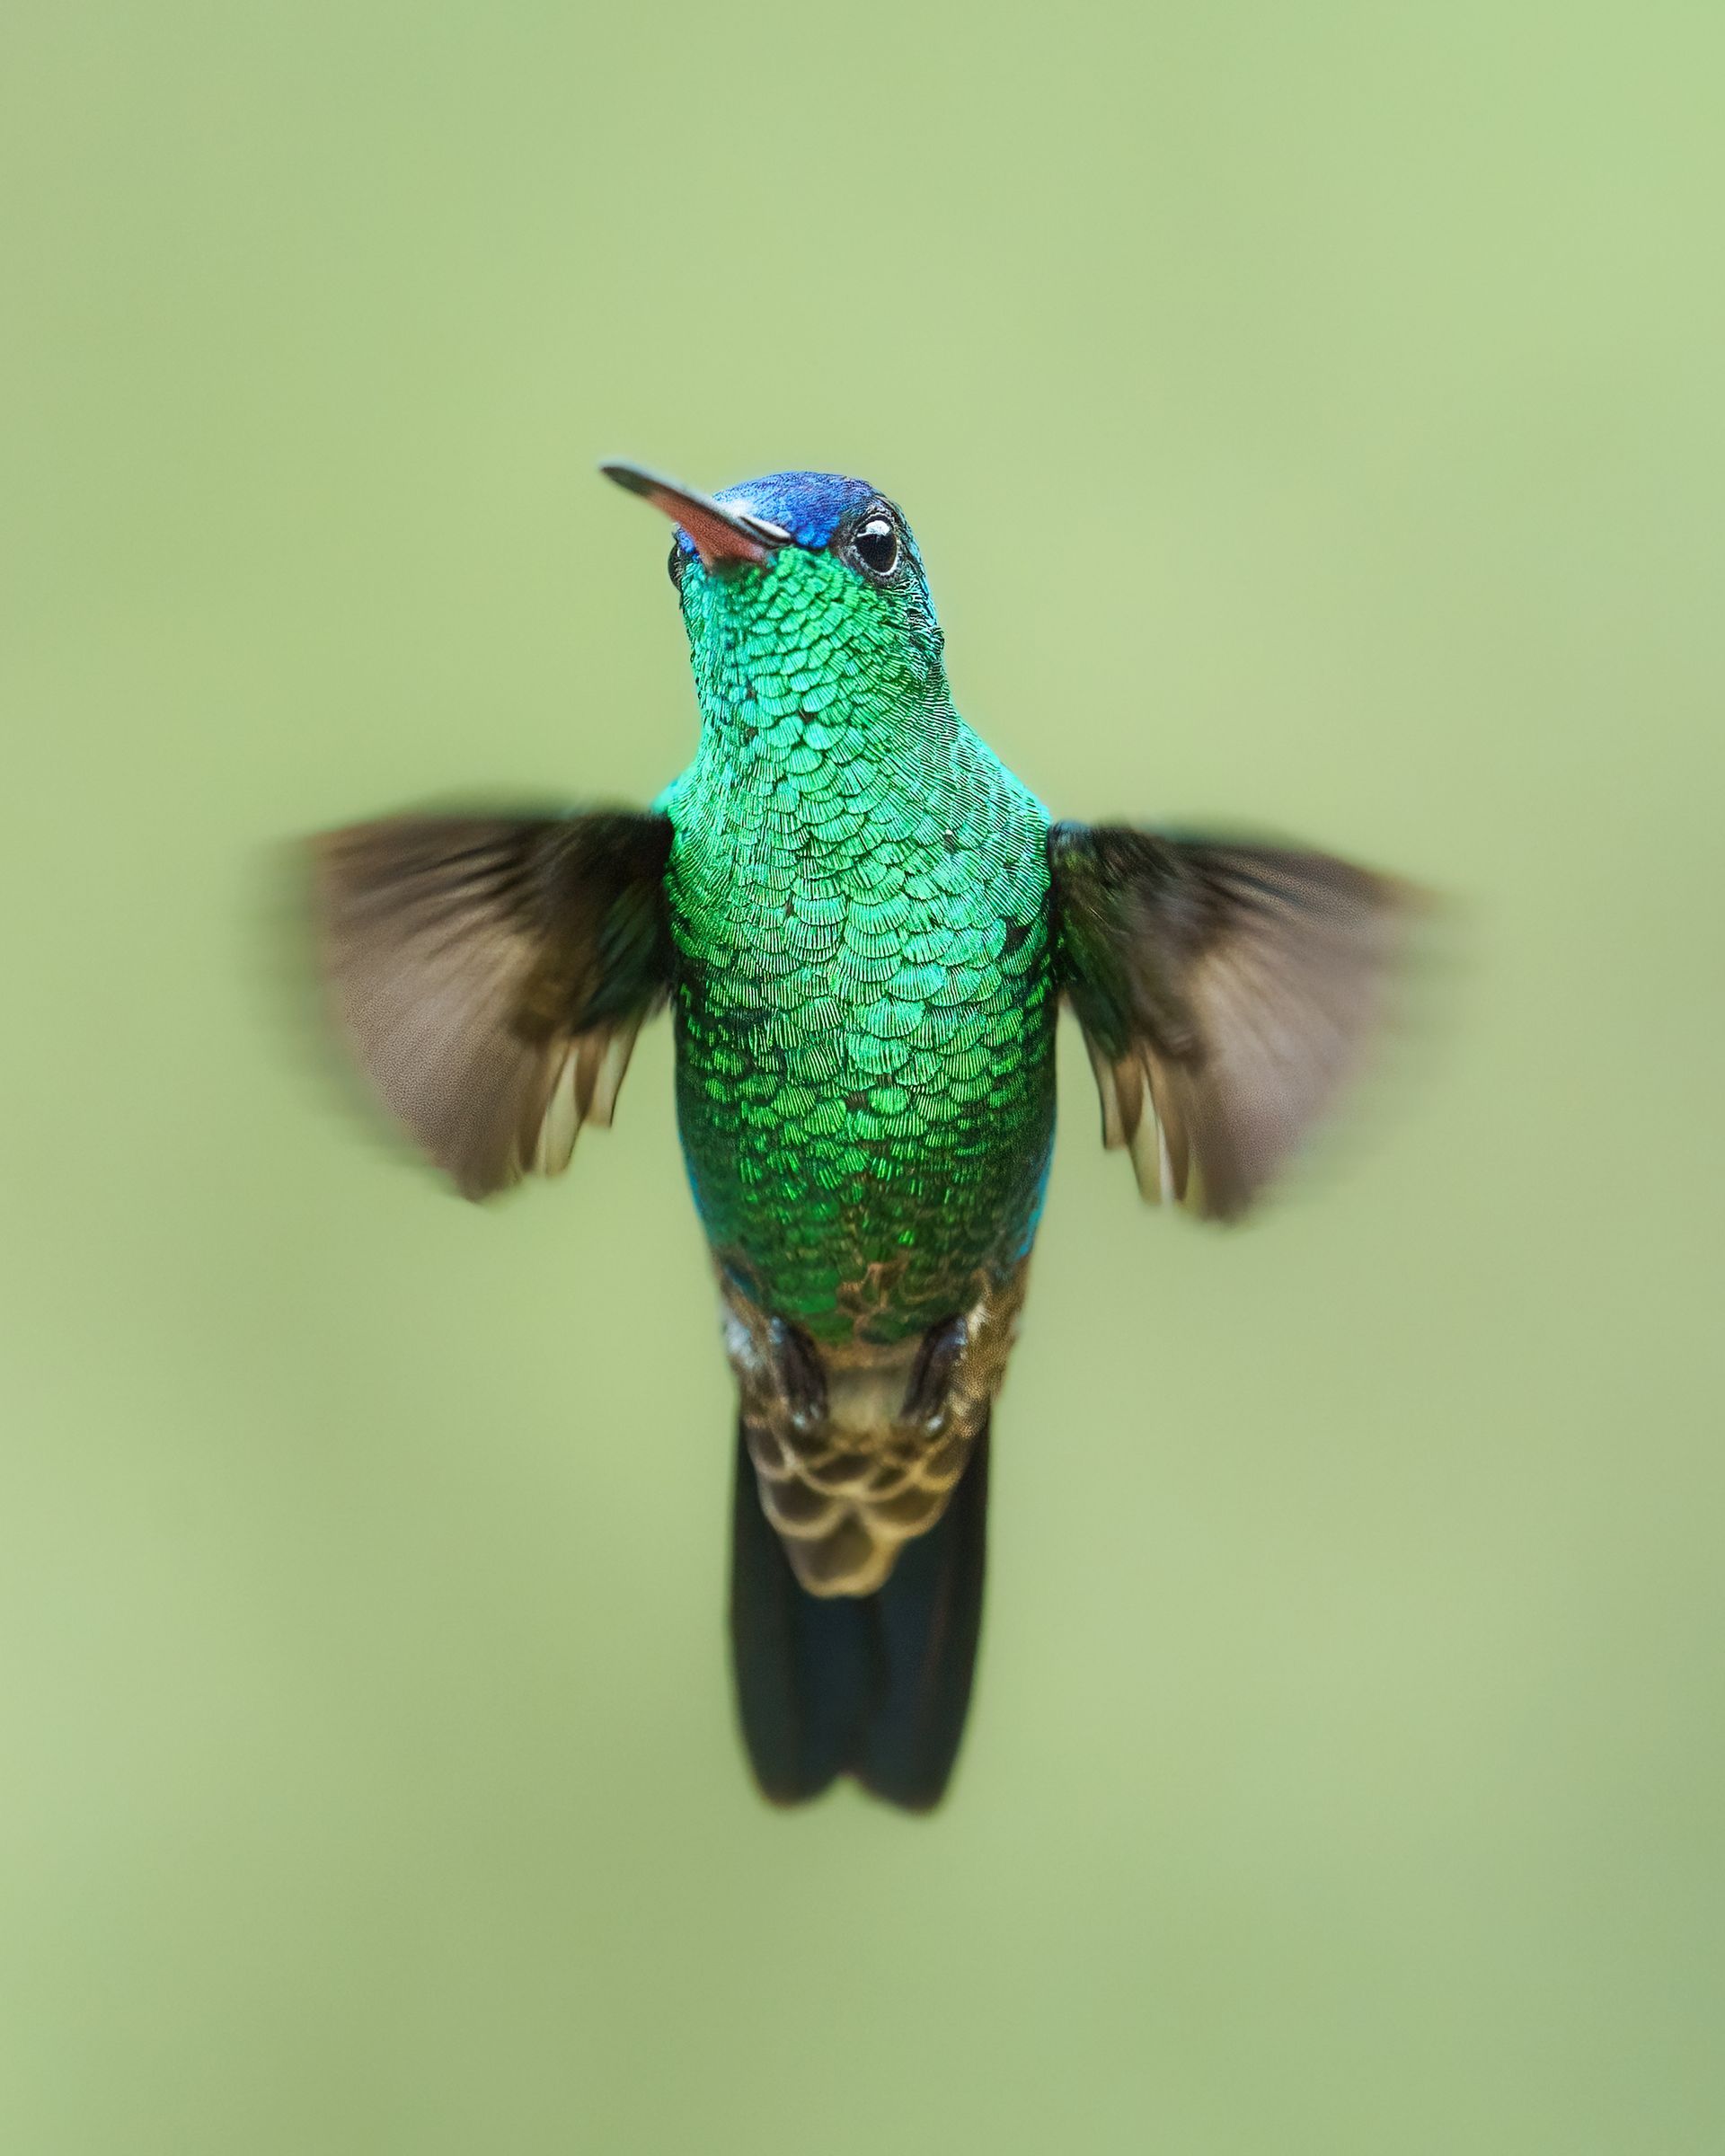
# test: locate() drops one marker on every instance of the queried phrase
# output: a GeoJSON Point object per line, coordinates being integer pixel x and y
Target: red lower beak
{"type": "Point", "coordinates": [719, 535]}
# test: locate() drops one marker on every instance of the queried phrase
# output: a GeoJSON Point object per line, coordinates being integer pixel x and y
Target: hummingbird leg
{"type": "Point", "coordinates": [802, 1377]}
{"type": "Point", "coordinates": [931, 1377]}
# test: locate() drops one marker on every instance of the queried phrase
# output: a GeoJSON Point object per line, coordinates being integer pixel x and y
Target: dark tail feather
{"type": "Point", "coordinates": [875, 1686]}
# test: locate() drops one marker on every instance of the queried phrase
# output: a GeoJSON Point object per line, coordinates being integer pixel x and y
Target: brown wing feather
{"type": "Point", "coordinates": [1227, 994]}
{"type": "Point", "coordinates": [489, 974]}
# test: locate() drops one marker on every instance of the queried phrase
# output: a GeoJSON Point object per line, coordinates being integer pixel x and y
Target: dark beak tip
{"type": "Point", "coordinates": [634, 479]}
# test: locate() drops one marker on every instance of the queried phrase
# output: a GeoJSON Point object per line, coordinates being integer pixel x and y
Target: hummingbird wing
{"type": "Point", "coordinates": [489, 974]}
{"type": "Point", "coordinates": [1226, 994]}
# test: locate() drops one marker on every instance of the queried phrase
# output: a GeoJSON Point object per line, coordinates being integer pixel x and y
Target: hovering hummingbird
{"type": "Point", "coordinates": [864, 925]}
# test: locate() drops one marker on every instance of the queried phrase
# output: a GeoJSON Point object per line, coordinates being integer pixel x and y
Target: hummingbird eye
{"type": "Point", "coordinates": [875, 544]}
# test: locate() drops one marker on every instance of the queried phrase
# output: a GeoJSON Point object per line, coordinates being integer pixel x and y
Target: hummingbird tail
{"type": "Point", "coordinates": [874, 1685]}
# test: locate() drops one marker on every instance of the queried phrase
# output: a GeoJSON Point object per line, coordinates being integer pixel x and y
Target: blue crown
{"type": "Point", "coordinates": [809, 505]}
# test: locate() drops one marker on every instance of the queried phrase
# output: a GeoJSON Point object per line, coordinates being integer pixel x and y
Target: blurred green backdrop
{"type": "Point", "coordinates": [1311, 416]}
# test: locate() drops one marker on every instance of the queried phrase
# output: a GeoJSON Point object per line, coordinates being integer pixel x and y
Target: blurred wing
{"type": "Point", "coordinates": [1226, 994]}
{"type": "Point", "coordinates": [489, 974]}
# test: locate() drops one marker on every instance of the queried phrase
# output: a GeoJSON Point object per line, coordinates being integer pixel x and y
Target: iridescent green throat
{"type": "Point", "coordinates": [864, 1000]}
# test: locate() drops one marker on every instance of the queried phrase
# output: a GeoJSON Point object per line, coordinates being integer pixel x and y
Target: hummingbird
{"type": "Point", "coordinates": [865, 927]}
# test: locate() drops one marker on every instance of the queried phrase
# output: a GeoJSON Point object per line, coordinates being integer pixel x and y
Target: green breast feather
{"type": "Point", "coordinates": [858, 894]}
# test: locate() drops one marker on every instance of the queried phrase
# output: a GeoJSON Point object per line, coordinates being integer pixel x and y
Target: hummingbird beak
{"type": "Point", "coordinates": [719, 534]}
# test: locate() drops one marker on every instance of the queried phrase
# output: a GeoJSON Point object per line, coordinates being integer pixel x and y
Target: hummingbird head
{"type": "Point", "coordinates": [794, 585]}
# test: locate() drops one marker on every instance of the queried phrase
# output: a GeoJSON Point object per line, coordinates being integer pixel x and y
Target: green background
{"type": "Point", "coordinates": [1311, 416]}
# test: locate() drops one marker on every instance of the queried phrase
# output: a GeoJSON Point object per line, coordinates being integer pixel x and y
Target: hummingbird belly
{"type": "Point", "coordinates": [865, 1073]}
